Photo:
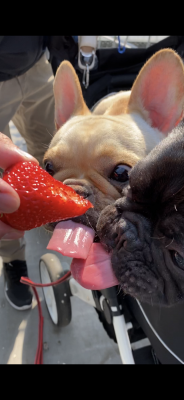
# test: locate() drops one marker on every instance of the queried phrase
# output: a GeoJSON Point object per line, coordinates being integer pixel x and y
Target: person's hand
{"type": "Point", "coordinates": [9, 199]}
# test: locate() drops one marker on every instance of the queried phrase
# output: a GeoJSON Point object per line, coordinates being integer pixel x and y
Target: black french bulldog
{"type": "Point", "coordinates": [144, 229]}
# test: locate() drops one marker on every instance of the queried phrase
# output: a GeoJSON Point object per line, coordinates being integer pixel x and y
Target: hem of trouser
{"type": "Point", "coordinates": [11, 250]}
{"type": "Point", "coordinates": [10, 259]}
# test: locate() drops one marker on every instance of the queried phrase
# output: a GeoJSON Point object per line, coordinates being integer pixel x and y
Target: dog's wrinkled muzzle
{"type": "Point", "coordinates": [128, 236]}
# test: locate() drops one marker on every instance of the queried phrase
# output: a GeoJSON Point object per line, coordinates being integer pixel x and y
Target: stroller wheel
{"type": "Point", "coordinates": [57, 297]}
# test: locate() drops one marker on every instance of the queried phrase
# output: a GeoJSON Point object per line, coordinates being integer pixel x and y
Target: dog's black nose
{"type": "Point", "coordinates": [82, 191]}
{"type": "Point", "coordinates": [127, 236]}
{"type": "Point", "coordinates": [80, 186]}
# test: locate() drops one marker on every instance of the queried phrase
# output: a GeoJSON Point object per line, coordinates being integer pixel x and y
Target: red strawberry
{"type": "Point", "coordinates": [43, 199]}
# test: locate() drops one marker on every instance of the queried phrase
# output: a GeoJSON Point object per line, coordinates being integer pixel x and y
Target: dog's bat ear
{"type": "Point", "coordinates": [68, 95]}
{"type": "Point", "coordinates": [158, 91]}
{"type": "Point", "coordinates": [159, 178]}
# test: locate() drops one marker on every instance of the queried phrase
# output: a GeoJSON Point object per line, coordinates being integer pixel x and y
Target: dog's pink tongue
{"type": "Point", "coordinates": [71, 239]}
{"type": "Point", "coordinates": [91, 266]}
{"type": "Point", "coordinates": [95, 272]}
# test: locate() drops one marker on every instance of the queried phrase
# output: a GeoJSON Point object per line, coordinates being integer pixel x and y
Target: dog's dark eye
{"type": "Point", "coordinates": [120, 173]}
{"type": "Point", "coordinates": [178, 259]}
{"type": "Point", "coordinates": [49, 168]}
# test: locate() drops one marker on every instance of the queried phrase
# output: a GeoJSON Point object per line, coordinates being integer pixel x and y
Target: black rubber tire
{"type": "Point", "coordinates": [109, 328]}
{"type": "Point", "coordinates": [61, 291]}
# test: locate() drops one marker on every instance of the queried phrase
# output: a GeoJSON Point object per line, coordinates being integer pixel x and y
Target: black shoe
{"type": "Point", "coordinates": [18, 295]}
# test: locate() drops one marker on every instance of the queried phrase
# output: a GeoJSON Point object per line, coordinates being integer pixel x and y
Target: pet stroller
{"type": "Point", "coordinates": [145, 334]}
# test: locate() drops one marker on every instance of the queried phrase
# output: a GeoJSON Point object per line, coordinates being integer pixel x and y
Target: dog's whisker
{"type": "Point", "coordinates": [119, 290]}
{"type": "Point", "coordinates": [159, 309]}
{"type": "Point", "coordinates": [45, 146]}
{"type": "Point", "coordinates": [170, 243]}
{"type": "Point", "coordinates": [89, 221]}
{"type": "Point", "coordinates": [162, 237]}
{"type": "Point", "coordinates": [50, 133]}
{"type": "Point", "coordinates": [178, 191]}
{"type": "Point", "coordinates": [123, 294]}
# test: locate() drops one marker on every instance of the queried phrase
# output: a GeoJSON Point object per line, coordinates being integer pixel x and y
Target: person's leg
{"type": "Point", "coordinates": [34, 120]}
{"type": "Point", "coordinates": [29, 102]}
{"type": "Point", "coordinates": [13, 251]}
{"type": "Point", "coordinates": [35, 117]}
{"type": "Point", "coordinates": [6, 131]}
{"type": "Point", "coordinates": [10, 100]}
